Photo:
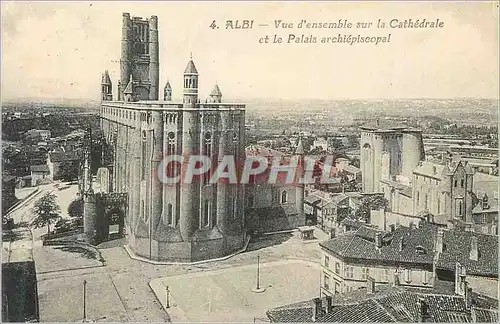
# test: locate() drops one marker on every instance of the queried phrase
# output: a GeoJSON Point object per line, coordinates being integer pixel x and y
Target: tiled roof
{"type": "Point", "coordinates": [312, 199]}
{"type": "Point", "coordinates": [352, 222]}
{"type": "Point", "coordinates": [39, 168]}
{"type": "Point", "coordinates": [492, 207]}
{"type": "Point", "coordinates": [63, 156]}
{"type": "Point", "coordinates": [389, 304]}
{"type": "Point", "coordinates": [190, 68]}
{"type": "Point", "coordinates": [105, 78]}
{"type": "Point", "coordinates": [403, 189]}
{"type": "Point", "coordinates": [360, 245]}
{"type": "Point", "coordinates": [457, 245]}
{"type": "Point", "coordinates": [216, 91]}
{"type": "Point", "coordinates": [352, 169]}
{"type": "Point", "coordinates": [383, 125]}
{"type": "Point", "coordinates": [485, 315]}
{"type": "Point", "coordinates": [431, 169]}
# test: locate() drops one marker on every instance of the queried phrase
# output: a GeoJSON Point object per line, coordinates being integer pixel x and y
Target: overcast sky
{"type": "Point", "coordinates": [53, 50]}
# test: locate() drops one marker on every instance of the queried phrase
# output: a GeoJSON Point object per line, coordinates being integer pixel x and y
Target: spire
{"type": "Point", "coordinates": [190, 68]}
{"type": "Point", "coordinates": [129, 88]}
{"type": "Point", "coordinates": [300, 147]}
{"type": "Point", "coordinates": [216, 91]}
{"type": "Point", "coordinates": [105, 78]}
{"type": "Point", "coordinates": [167, 86]}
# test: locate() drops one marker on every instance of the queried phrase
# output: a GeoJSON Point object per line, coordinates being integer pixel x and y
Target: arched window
{"type": "Point", "coordinates": [284, 196]}
{"type": "Point", "coordinates": [171, 167]}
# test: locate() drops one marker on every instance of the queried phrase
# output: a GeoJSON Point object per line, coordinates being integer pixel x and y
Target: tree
{"type": "Point", "coordinates": [369, 203]}
{"type": "Point", "coordinates": [355, 162]}
{"type": "Point", "coordinates": [69, 170]}
{"type": "Point", "coordinates": [46, 211]}
{"type": "Point", "coordinates": [75, 208]}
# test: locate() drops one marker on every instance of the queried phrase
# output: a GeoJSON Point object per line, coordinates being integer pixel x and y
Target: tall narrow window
{"type": "Point", "coordinates": [407, 275]}
{"type": "Point", "coordinates": [284, 197]}
{"type": "Point", "coordinates": [143, 155]}
{"type": "Point", "coordinates": [207, 151]}
{"type": "Point", "coordinates": [460, 211]}
{"type": "Point", "coordinates": [365, 273]}
{"type": "Point", "coordinates": [418, 198]}
{"type": "Point", "coordinates": [206, 213]}
{"type": "Point", "coordinates": [326, 281]}
{"type": "Point", "coordinates": [171, 167]}
{"type": "Point", "coordinates": [461, 183]}
{"type": "Point", "coordinates": [438, 205]}
{"type": "Point", "coordinates": [170, 214]}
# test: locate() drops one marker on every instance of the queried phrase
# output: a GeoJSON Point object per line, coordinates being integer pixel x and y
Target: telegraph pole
{"type": "Point", "coordinates": [258, 289]}
{"type": "Point", "coordinates": [84, 293]}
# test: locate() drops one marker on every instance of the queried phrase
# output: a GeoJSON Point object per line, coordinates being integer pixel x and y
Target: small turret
{"type": "Point", "coordinates": [300, 147]}
{"type": "Point", "coordinates": [216, 95]}
{"type": "Point", "coordinates": [167, 92]}
{"type": "Point", "coordinates": [190, 93]}
{"type": "Point", "coordinates": [129, 91]}
{"type": "Point", "coordinates": [106, 87]}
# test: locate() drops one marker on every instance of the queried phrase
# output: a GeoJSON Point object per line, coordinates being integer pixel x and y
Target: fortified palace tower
{"type": "Point", "coordinates": [181, 221]}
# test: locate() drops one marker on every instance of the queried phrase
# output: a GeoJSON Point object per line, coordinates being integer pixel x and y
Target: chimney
{"type": "Point", "coordinates": [396, 279]}
{"type": "Point", "coordinates": [329, 307]}
{"type": "Point", "coordinates": [401, 244]}
{"type": "Point", "coordinates": [316, 309]}
{"type": "Point", "coordinates": [378, 240]}
{"type": "Point", "coordinates": [370, 285]}
{"type": "Point", "coordinates": [474, 253]}
{"type": "Point", "coordinates": [468, 296]}
{"type": "Point", "coordinates": [439, 241]}
{"type": "Point", "coordinates": [422, 309]}
{"type": "Point", "coordinates": [332, 233]}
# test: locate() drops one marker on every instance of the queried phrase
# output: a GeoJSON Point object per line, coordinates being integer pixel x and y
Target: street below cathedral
{"type": "Point", "coordinates": [118, 289]}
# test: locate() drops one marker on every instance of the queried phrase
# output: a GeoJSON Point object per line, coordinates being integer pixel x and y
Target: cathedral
{"type": "Point", "coordinates": [183, 222]}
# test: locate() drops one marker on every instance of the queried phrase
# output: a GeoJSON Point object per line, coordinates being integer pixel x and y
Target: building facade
{"type": "Point", "coordinates": [139, 57]}
{"type": "Point", "coordinates": [179, 221]}
{"type": "Point", "coordinates": [389, 152]}
{"type": "Point", "coordinates": [443, 190]}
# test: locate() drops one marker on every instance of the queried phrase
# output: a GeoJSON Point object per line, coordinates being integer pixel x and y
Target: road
{"type": "Point", "coordinates": [118, 290]}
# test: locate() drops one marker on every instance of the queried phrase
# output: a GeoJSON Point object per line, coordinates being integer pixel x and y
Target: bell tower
{"type": "Point", "coordinates": [190, 93]}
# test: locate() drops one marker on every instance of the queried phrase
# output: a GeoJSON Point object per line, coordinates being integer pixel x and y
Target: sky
{"type": "Point", "coordinates": [59, 49]}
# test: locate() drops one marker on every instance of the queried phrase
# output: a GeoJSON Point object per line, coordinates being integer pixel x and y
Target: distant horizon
{"type": "Point", "coordinates": [41, 100]}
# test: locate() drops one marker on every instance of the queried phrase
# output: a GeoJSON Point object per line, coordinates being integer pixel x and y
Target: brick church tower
{"type": "Point", "coordinates": [186, 222]}
{"type": "Point", "coordinates": [139, 57]}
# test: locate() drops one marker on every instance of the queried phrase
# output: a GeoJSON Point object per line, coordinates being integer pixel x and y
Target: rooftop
{"type": "Point", "coordinates": [190, 68]}
{"type": "Point", "coordinates": [390, 304]}
{"type": "Point", "coordinates": [457, 247]}
{"type": "Point", "coordinates": [39, 168]}
{"type": "Point", "coordinates": [404, 245]}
